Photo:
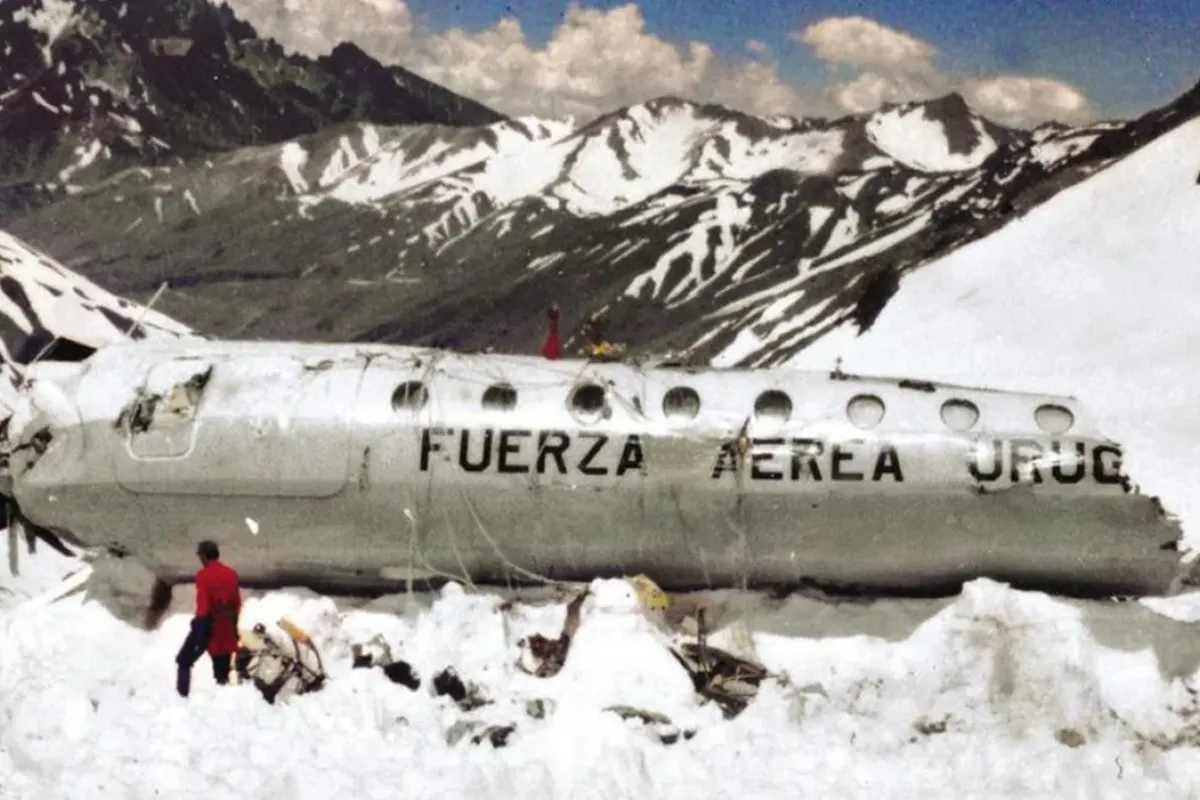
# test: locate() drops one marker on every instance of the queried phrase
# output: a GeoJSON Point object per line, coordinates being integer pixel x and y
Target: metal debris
{"type": "Point", "coordinates": [275, 672]}
{"type": "Point", "coordinates": [660, 725]}
{"type": "Point", "coordinates": [549, 655]}
{"type": "Point", "coordinates": [718, 675]}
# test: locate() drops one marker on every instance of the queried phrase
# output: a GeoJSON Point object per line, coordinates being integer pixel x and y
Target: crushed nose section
{"type": "Point", "coordinates": [38, 418]}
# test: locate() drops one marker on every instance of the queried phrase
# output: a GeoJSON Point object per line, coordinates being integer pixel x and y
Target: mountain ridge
{"type": "Point", "coordinates": [681, 229]}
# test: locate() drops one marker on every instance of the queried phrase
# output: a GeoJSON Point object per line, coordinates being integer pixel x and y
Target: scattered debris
{"type": "Point", "coordinates": [718, 675]}
{"type": "Point", "coordinates": [659, 724]}
{"type": "Point", "coordinates": [275, 672]}
{"type": "Point", "coordinates": [496, 734]}
{"type": "Point", "coordinates": [467, 696]}
{"type": "Point", "coordinates": [539, 709]}
{"type": "Point", "coordinates": [927, 727]}
{"type": "Point", "coordinates": [377, 653]}
{"type": "Point", "coordinates": [1070, 737]}
{"type": "Point", "coordinates": [549, 655]}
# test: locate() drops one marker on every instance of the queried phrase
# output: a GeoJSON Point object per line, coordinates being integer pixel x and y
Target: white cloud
{"type": "Point", "coordinates": [1017, 100]}
{"type": "Point", "coordinates": [600, 59]}
{"type": "Point", "coordinates": [894, 66]}
{"type": "Point", "coordinates": [863, 42]}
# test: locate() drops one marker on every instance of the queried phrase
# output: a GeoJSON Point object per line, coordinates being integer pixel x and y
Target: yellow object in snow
{"type": "Point", "coordinates": [649, 595]}
{"type": "Point", "coordinates": [295, 631]}
{"type": "Point", "coordinates": [604, 350]}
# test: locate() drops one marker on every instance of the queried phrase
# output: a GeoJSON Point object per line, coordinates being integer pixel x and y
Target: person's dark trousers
{"type": "Point", "coordinates": [221, 664]}
{"type": "Point", "coordinates": [193, 647]}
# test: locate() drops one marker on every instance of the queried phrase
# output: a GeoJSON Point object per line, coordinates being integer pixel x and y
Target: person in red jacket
{"type": "Point", "coordinates": [215, 625]}
{"type": "Point", "coordinates": [552, 346]}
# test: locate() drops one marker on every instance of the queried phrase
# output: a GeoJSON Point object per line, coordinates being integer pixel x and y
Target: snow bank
{"type": "Point", "coordinates": [1094, 294]}
{"type": "Point", "coordinates": [998, 689]}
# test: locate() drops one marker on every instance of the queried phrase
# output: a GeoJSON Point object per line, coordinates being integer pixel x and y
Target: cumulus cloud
{"type": "Point", "coordinates": [894, 67]}
{"type": "Point", "coordinates": [600, 59]}
{"type": "Point", "coordinates": [863, 42]}
{"type": "Point", "coordinates": [1016, 100]}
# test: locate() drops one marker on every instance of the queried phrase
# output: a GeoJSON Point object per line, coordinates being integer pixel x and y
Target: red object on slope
{"type": "Point", "coordinates": [552, 347]}
{"type": "Point", "coordinates": [219, 598]}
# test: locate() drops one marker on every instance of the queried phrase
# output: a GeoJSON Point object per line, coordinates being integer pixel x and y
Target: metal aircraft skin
{"type": "Point", "coordinates": [364, 467]}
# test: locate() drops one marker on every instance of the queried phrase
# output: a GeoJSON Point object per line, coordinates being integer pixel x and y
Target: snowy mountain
{"type": "Point", "coordinates": [89, 86]}
{"type": "Point", "coordinates": [300, 199]}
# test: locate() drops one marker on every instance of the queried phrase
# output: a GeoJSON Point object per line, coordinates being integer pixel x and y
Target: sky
{"type": "Point", "coordinates": [1018, 62]}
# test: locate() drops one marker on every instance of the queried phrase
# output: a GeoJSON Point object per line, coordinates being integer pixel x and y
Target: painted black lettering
{"type": "Point", "coordinates": [510, 447]}
{"type": "Point", "coordinates": [806, 451]}
{"type": "Point", "coordinates": [1078, 459]}
{"type": "Point", "coordinates": [430, 446]}
{"type": "Point", "coordinates": [727, 460]}
{"type": "Point", "coordinates": [1025, 453]}
{"type": "Point", "coordinates": [585, 463]}
{"type": "Point", "coordinates": [838, 456]}
{"type": "Point", "coordinates": [1109, 473]}
{"type": "Point", "coordinates": [464, 447]}
{"type": "Point", "coordinates": [556, 450]}
{"type": "Point", "coordinates": [975, 462]}
{"type": "Point", "coordinates": [887, 463]}
{"type": "Point", "coordinates": [632, 456]}
{"type": "Point", "coordinates": [757, 472]}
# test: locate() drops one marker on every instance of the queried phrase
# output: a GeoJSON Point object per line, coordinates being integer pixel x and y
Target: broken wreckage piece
{"type": "Point", "coordinates": [547, 656]}
{"type": "Point", "coordinates": [729, 681]}
{"type": "Point", "coordinates": [274, 671]}
{"type": "Point", "coordinates": [377, 653]}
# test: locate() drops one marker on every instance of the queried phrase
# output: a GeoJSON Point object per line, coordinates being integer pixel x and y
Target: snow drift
{"type": "Point", "coordinates": [929, 699]}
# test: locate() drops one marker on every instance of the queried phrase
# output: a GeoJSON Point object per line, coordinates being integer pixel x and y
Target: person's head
{"type": "Point", "coordinates": [208, 551]}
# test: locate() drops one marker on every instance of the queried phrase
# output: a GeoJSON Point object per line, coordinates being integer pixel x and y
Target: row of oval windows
{"type": "Point", "coordinates": [587, 403]}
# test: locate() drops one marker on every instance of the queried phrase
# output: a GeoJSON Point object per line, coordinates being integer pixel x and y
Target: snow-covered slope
{"type": "Point", "coordinates": [1094, 293]}
{"type": "Point", "coordinates": [950, 699]}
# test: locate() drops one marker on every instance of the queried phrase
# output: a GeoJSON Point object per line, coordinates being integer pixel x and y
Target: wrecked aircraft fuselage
{"type": "Point", "coordinates": [367, 467]}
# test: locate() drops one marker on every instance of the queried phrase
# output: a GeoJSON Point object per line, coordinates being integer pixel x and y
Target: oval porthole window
{"type": "Point", "coordinates": [681, 404]}
{"type": "Point", "coordinates": [500, 397]}
{"type": "Point", "coordinates": [1054, 420]}
{"type": "Point", "coordinates": [773, 405]}
{"type": "Point", "coordinates": [959, 414]}
{"type": "Point", "coordinates": [410, 396]}
{"type": "Point", "coordinates": [865, 411]}
{"type": "Point", "coordinates": [589, 402]}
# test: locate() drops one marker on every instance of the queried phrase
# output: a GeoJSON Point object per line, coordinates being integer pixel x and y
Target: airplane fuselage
{"type": "Point", "coordinates": [371, 465]}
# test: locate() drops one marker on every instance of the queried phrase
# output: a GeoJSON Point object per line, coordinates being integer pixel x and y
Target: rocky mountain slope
{"type": "Point", "coordinates": [679, 229]}
{"type": "Point", "coordinates": [112, 83]}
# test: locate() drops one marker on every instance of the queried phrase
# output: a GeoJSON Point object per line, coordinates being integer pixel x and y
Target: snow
{"type": "Point", "coordinates": [68, 304]}
{"type": "Point", "coordinates": [725, 219]}
{"type": "Point", "coordinates": [809, 152]}
{"type": "Point", "coordinates": [292, 159]}
{"type": "Point", "coordinates": [894, 699]}
{"type": "Point", "coordinates": [912, 138]}
{"type": "Point", "coordinates": [655, 150]}
{"type": "Point", "coordinates": [1092, 293]}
